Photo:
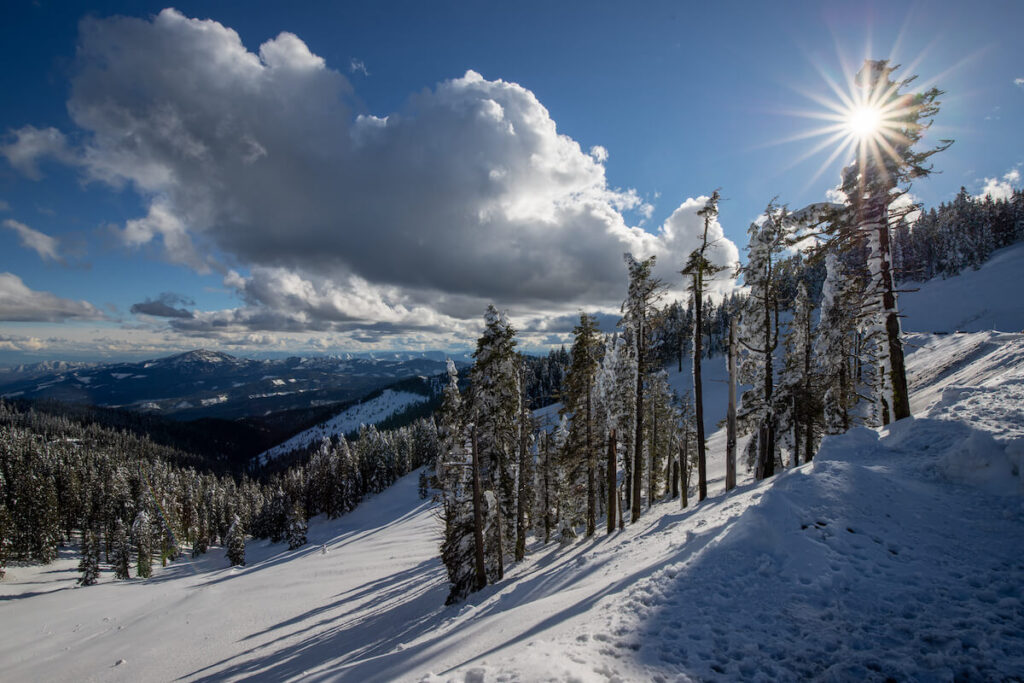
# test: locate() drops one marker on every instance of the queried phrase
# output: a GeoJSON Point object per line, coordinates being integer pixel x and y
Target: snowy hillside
{"type": "Point", "coordinates": [372, 411]}
{"type": "Point", "coordinates": [895, 554]}
{"type": "Point", "coordinates": [985, 299]}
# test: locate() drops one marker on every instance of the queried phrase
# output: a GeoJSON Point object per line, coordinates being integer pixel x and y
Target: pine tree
{"type": "Point", "coordinates": [799, 404]}
{"type": "Point", "coordinates": [872, 183]}
{"type": "Point", "coordinates": [700, 270]}
{"type": "Point", "coordinates": [638, 310]}
{"type": "Point", "coordinates": [578, 404]}
{"type": "Point", "coordinates": [89, 565]}
{"type": "Point", "coordinates": [142, 531]}
{"type": "Point", "coordinates": [236, 543]}
{"type": "Point", "coordinates": [494, 403]}
{"type": "Point", "coordinates": [833, 347]}
{"type": "Point", "coordinates": [297, 526]}
{"type": "Point", "coordinates": [759, 331]}
{"type": "Point", "coordinates": [122, 556]}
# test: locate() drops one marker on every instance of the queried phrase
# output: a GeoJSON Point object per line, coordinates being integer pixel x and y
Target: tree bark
{"type": "Point", "coordinates": [478, 519]}
{"type": "Point", "coordinates": [638, 445]}
{"type": "Point", "coordinates": [698, 387]}
{"type": "Point", "coordinates": [730, 420]}
{"type": "Point", "coordinates": [591, 474]}
{"type": "Point", "coordinates": [611, 481]}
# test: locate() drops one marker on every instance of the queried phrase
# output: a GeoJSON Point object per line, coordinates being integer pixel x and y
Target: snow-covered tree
{"type": "Point", "coordinates": [638, 310]}
{"type": "Point", "coordinates": [297, 526]}
{"type": "Point", "coordinates": [142, 532]}
{"type": "Point", "coordinates": [578, 397]}
{"type": "Point", "coordinates": [236, 543]}
{"type": "Point", "coordinates": [886, 163]}
{"type": "Point", "coordinates": [799, 404]}
{"type": "Point", "coordinates": [759, 334]}
{"type": "Point", "coordinates": [700, 270]}
{"type": "Point", "coordinates": [833, 346]}
{"type": "Point", "coordinates": [89, 565]}
{"type": "Point", "coordinates": [495, 409]}
{"type": "Point", "coordinates": [122, 556]}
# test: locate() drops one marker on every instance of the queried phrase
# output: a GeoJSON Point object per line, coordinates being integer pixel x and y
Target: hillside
{"type": "Point", "coordinates": [895, 554]}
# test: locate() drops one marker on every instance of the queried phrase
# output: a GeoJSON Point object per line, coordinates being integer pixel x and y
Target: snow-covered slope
{"type": "Point", "coordinates": [895, 554]}
{"type": "Point", "coordinates": [389, 402]}
{"type": "Point", "coordinates": [990, 298]}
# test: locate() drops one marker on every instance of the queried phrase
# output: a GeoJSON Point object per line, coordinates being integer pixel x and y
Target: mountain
{"type": "Point", "coordinates": [212, 384]}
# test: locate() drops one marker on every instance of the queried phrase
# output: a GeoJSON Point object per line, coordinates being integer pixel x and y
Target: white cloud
{"type": "Point", "coordinates": [32, 144]}
{"type": "Point", "coordinates": [41, 243]}
{"type": "Point", "coordinates": [1019, 82]}
{"type": "Point", "coordinates": [1001, 189]}
{"type": "Point", "coordinates": [357, 66]}
{"type": "Point", "coordinates": [18, 303]}
{"type": "Point", "coordinates": [466, 195]}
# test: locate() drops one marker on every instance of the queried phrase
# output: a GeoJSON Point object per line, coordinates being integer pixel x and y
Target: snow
{"type": "Point", "coordinates": [895, 554]}
{"type": "Point", "coordinates": [373, 411]}
{"type": "Point", "coordinates": [985, 299]}
{"type": "Point", "coordinates": [120, 375]}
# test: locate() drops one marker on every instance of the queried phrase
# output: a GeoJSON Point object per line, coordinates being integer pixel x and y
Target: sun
{"type": "Point", "coordinates": [865, 119]}
{"type": "Point", "coordinates": [864, 122]}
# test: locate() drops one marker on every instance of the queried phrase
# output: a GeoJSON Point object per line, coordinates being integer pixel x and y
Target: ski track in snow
{"type": "Point", "coordinates": [895, 554]}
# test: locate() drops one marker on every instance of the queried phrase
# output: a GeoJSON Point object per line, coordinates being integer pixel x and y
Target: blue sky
{"type": "Point", "coordinates": [357, 176]}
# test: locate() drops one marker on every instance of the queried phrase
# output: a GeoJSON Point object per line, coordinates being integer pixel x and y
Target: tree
{"type": "Point", "coordinates": [801, 404]}
{"type": "Point", "coordinates": [236, 543]}
{"type": "Point", "coordinates": [142, 531]}
{"type": "Point", "coordinates": [644, 292]}
{"type": "Point", "coordinates": [89, 565]}
{"type": "Point", "coordinates": [833, 346]}
{"type": "Point", "coordinates": [700, 269]}
{"type": "Point", "coordinates": [578, 404]}
{"type": "Point", "coordinates": [759, 331]}
{"type": "Point", "coordinates": [494, 402]}
{"type": "Point", "coordinates": [122, 552]}
{"type": "Point", "coordinates": [886, 162]}
{"type": "Point", "coordinates": [297, 526]}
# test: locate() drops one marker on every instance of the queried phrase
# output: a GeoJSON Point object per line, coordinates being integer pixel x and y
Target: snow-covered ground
{"type": "Point", "coordinates": [378, 409]}
{"type": "Point", "coordinates": [895, 554]}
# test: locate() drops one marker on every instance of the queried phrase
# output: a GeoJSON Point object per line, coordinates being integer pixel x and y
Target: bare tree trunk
{"type": "Point", "coordinates": [652, 474]}
{"type": "Point", "coordinates": [478, 518]}
{"type": "Point", "coordinates": [684, 474]}
{"type": "Point", "coordinates": [591, 474]}
{"type": "Point", "coordinates": [520, 551]}
{"type": "Point", "coordinates": [638, 445]}
{"type": "Point", "coordinates": [730, 420]}
{"type": "Point", "coordinates": [611, 482]}
{"type": "Point", "coordinates": [698, 393]}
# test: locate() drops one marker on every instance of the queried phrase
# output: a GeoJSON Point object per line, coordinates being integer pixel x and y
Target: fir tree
{"type": "Point", "coordinates": [297, 527]}
{"type": "Point", "coordinates": [885, 164]}
{"type": "Point", "coordinates": [89, 565]}
{"type": "Point", "coordinates": [578, 404]}
{"type": "Point", "coordinates": [122, 556]}
{"type": "Point", "coordinates": [638, 310]}
{"type": "Point", "coordinates": [142, 532]}
{"type": "Point", "coordinates": [700, 270]}
{"type": "Point", "coordinates": [235, 542]}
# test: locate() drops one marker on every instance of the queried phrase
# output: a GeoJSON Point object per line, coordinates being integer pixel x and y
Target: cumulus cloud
{"type": "Point", "coordinates": [41, 243]}
{"type": "Point", "coordinates": [1019, 82]}
{"type": "Point", "coordinates": [467, 194]}
{"type": "Point", "coordinates": [1001, 189]}
{"type": "Point", "coordinates": [164, 306]}
{"type": "Point", "coordinates": [18, 303]}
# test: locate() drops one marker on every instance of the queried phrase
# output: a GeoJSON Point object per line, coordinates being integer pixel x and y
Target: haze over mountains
{"type": "Point", "coordinates": [204, 383]}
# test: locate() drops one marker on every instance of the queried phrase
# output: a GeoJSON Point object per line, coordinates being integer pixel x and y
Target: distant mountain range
{"type": "Point", "coordinates": [204, 383]}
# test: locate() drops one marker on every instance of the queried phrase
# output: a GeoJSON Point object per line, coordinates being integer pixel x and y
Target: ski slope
{"type": "Point", "coordinates": [377, 409]}
{"type": "Point", "coordinates": [895, 554]}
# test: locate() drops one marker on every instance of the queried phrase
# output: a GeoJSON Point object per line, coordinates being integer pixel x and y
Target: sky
{"type": "Point", "coordinates": [351, 177]}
